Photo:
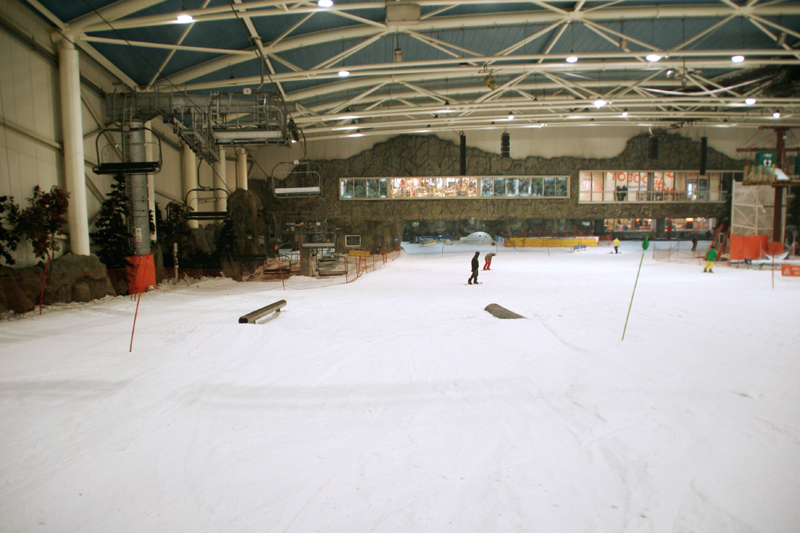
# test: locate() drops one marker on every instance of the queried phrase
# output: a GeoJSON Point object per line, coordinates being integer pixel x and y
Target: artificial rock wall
{"type": "Point", "coordinates": [380, 221]}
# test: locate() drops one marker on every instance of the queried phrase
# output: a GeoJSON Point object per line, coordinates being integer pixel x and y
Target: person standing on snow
{"type": "Point", "coordinates": [694, 243]}
{"type": "Point", "coordinates": [488, 260]}
{"type": "Point", "coordinates": [616, 245]}
{"type": "Point", "coordinates": [711, 256]}
{"type": "Point", "coordinates": [475, 266]}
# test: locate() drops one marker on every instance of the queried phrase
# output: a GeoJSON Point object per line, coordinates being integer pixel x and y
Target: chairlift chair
{"type": "Point", "coordinates": [127, 167]}
{"type": "Point", "coordinates": [304, 172]}
{"type": "Point", "coordinates": [206, 215]}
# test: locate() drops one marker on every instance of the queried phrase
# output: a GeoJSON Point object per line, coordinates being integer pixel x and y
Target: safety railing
{"type": "Point", "coordinates": [652, 196]}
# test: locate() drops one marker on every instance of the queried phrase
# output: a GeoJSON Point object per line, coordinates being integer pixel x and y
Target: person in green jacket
{"type": "Point", "coordinates": [711, 256]}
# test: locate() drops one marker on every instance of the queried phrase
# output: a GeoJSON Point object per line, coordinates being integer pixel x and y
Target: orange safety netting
{"type": "Point", "coordinates": [748, 247]}
{"type": "Point", "coordinates": [23, 293]}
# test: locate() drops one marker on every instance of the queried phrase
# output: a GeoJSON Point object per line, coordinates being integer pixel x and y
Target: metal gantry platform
{"type": "Point", "coordinates": [206, 121]}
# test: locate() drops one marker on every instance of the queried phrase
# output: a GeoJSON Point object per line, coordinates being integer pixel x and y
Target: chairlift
{"type": "Point", "coordinates": [206, 215]}
{"type": "Point", "coordinates": [304, 173]}
{"type": "Point", "coordinates": [130, 150]}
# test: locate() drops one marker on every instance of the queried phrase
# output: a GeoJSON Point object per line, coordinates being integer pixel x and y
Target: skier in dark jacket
{"type": "Point", "coordinates": [475, 266]}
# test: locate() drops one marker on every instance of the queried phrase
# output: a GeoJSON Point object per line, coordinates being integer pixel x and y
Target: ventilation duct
{"type": "Point", "coordinates": [402, 14]}
{"type": "Point", "coordinates": [463, 154]}
{"type": "Point", "coordinates": [703, 155]}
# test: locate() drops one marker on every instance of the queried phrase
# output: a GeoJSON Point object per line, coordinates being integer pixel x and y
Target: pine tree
{"type": "Point", "coordinates": [44, 217]}
{"type": "Point", "coordinates": [8, 237]}
{"type": "Point", "coordinates": [112, 234]}
{"type": "Point", "coordinates": [175, 229]}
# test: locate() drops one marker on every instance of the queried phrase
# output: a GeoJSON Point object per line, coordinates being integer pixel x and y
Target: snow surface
{"type": "Point", "coordinates": [397, 404]}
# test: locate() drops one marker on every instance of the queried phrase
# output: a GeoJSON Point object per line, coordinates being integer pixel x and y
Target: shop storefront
{"type": "Point", "coordinates": [648, 225]}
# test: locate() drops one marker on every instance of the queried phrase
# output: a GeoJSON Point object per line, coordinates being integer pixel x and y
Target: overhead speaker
{"type": "Point", "coordinates": [653, 147]}
{"type": "Point", "coordinates": [463, 155]}
{"type": "Point", "coordinates": [505, 145]}
{"type": "Point", "coordinates": [703, 155]}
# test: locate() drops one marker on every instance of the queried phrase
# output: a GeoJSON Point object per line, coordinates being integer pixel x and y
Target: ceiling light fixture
{"type": "Point", "coordinates": [750, 101]}
{"type": "Point", "coordinates": [572, 59]}
{"type": "Point", "coordinates": [599, 103]}
{"type": "Point", "coordinates": [653, 58]}
{"type": "Point", "coordinates": [737, 59]}
{"type": "Point", "coordinates": [325, 3]}
{"type": "Point", "coordinates": [185, 18]}
{"type": "Point", "coordinates": [344, 73]}
{"type": "Point", "coordinates": [510, 115]}
{"type": "Point", "coordinates": [776, 114]}
{"type": "Point", "coordinates": [624, 113]}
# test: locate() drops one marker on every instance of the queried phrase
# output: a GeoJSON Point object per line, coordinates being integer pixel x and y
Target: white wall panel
{"type": "Point", "coordinates": [27, 103]}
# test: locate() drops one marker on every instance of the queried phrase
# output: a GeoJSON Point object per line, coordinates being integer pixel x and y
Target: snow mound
{"type": "Point", "coordinates": [479, 237]}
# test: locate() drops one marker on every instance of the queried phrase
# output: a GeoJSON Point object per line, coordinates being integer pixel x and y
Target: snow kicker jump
{"type": "Point", "coordinates": [253, 316]}
{"type": "Point", "coordinates": [501, 312]}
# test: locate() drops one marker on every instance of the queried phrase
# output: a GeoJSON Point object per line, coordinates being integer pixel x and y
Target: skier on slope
{"type": "Point", "coordinates": [475, 266]}
{"type": "Point", "coordinates": [488, 263]}
{"type": "Point", "coordinates": [711, 256]}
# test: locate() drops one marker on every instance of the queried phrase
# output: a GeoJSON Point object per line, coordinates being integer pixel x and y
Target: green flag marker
{"type": "Point", "coordinates": [645, 245]}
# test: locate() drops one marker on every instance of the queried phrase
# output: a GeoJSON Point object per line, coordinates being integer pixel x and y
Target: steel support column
{"type": "Point", "coordinates": [134, 151]}
{"type": "Point", "coordinates": [150, 154]}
